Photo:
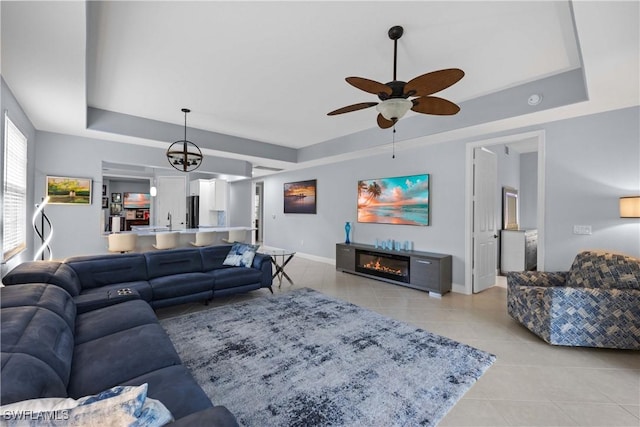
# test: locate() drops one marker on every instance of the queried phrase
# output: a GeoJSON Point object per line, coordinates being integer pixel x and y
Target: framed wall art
{"type": "Point", "coordinates": [398, 200]}
{"type": "Point", "coordinates": [300, 197]}
{"type": "Point", "coordinates": [69, 191]}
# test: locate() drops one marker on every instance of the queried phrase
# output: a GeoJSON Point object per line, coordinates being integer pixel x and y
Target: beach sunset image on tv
{"type": "Point", "coordinates": [300, 197]}
{"type": "Point", "coordinates": [398, 200]}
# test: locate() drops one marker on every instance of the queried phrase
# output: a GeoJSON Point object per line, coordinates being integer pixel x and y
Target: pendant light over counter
{"type": "Point", "coordinates": [184, 155]}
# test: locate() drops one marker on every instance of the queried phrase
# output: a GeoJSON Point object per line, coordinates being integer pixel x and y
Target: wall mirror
{"type": "Point", "coordinates": [510, 208]}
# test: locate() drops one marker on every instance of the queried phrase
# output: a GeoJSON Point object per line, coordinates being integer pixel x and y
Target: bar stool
{"type": "Point", "coordinates": [122, 242]}
{"type": "Point", "coordinates": [166, 240]}
{"type": "Point", "coordinates": [204, 238]}
{"type": "Point", "coordinates": [236, 236]}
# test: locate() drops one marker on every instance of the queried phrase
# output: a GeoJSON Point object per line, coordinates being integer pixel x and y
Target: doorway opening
{"type": "Point", "coordinates": [258, 212]}
{"type": "Point", "coordinates": [529, 142]}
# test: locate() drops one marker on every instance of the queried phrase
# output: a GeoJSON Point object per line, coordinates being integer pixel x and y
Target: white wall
{"type": "Point", "coordinates": [240, 204]}
{"type": "Point", "coordinates": [336, 204]}
{"type": "Point", "coordinates": [590, 162]}
{"type": "Point", "coordinates": [528, 190]}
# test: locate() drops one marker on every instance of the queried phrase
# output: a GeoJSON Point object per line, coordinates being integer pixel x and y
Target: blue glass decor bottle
{"type": "Point", "coordinates": [347, 230]}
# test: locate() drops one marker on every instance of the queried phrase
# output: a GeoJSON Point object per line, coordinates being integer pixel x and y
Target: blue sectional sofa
{"type": "Point", "coordinates": [49, 350]}
{"type": "Point", "coordinates": [86, 324]}
{"type": "Point", "coordinates": [161, 278]}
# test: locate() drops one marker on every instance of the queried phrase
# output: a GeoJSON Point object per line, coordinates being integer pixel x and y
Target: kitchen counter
{"type": "Point", "coordinates": [147, 235]}
{"type": "Point", "coordinates": [150, 230]}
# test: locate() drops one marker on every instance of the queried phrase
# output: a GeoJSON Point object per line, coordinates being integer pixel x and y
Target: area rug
{"type": "Point", "coordinates": [303, 358]}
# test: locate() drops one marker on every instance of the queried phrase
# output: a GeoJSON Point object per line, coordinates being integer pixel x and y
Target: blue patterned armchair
{"type": "Point", "coordinates": [594, 304]}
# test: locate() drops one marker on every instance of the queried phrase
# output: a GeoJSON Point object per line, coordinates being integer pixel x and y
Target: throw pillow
{"type": "Point", "coordinates": [118, 406]}
{"type": "Point", "coordinates": [241, 255]}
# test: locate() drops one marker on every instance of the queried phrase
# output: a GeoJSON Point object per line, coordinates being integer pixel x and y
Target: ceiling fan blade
{"type": "Point", "coordinates": [384, 123]}
{"type": "Point", "coordinates": [434, 105]}
{"type": "Point", "coordinates": [433, 82]}
{"type": "Point", "coordinates": [350, 108]}
{"type": "Point", "coordinates": [370, 86]}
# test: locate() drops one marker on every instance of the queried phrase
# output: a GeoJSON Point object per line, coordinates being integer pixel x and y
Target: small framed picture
{"type": "Point", "coordinates": [116, 208]}
{"type": "Point", "coordinates": [104, 189]}
{"type": "Point", "coordinates": [116, 197]}
{"type": "Point", "coordinates": [69, 191]}
{"type": "Point", "coordinates": [105, 202]}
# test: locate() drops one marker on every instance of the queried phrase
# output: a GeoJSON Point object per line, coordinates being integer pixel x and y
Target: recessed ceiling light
{"type": "Point", "coordinates": [534, 99]}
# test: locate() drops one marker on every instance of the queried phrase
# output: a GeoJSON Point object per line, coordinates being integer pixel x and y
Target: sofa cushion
{"type": "Point", "coordinates": [40, 333]}
{"type": "Point", "coordinates": [605, 270]}
{"type": "Point", "coordinates": [52, 298]}
{"type": "Point", "coordinates": [214, 256]}
{"type": "Point", "coordinates": [180, 284]}
{"type": "Point", "coordinates": [175, 388]}
{"type": "Point", "coordinates": [235, 276]}
{"type": "Point", "coordinates": [174, 261]}
{"type": "Point", "coordinates": [112, 359]}
{"type": "Point", "coordinates": [27, 377]}
{"type": "Point", "coordinates": [43, 336]}
{"type": "Point", "coordinates": [97, 271]}
{"type": "Point", "coordinates": [53, 272]}
{"type": "Point", "coordinates": [241, 255]}
{"type": "Point", "coordinates": [142, 287]}
{"type": "Point", "coordinates": [109, 320]}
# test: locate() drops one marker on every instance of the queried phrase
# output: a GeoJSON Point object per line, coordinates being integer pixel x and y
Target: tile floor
{"type": "Point", "coordinates": [530, 384]}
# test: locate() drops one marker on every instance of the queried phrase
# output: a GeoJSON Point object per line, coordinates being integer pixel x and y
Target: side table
{"type": "Point", "coordinates": [279, 258]}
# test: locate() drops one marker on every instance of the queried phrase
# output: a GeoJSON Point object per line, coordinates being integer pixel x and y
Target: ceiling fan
{"type": "Point", "coordinates": [395, 94]}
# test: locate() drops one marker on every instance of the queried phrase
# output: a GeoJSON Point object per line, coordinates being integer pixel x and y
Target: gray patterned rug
{"type": "Point", "coordinates": [302, 358]}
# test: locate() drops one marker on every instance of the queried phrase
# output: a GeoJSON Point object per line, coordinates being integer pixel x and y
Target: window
{"type": "Point", "coordinates": [15, 190]}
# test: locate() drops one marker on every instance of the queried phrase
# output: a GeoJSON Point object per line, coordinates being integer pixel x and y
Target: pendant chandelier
{"type": "Point", "coordinates": [184, 155]}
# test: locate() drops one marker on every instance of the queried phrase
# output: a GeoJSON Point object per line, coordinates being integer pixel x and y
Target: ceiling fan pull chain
{"type": "Point", "coordinates": [394, 142]}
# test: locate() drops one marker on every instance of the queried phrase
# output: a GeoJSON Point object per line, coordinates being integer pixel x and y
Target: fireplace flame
{"type": "Point", "coordinates": [377, 266]}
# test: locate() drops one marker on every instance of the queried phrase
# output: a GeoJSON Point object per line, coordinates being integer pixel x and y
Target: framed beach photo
{"type": "Point", "coordinates": [398, 200]}
{"type": "Point", "coordinates": [300, 197]}
{"type": "Point", "coordinates": [69, 191]}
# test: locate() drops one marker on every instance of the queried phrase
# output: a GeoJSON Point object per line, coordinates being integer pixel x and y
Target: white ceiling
{"type": "Point", "coordinates": [270, 71]}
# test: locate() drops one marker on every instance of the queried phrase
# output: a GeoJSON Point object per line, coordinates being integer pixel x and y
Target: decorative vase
{"type": "Point", "coordinates": [347, 230]}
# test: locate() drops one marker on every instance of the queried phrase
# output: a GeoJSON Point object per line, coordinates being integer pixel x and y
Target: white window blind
{"type": "Point", "coordinates": [14, 191]}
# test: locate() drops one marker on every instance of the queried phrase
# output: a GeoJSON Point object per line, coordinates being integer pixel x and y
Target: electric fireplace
{"type": "Point", "coordinates": [384, 265]}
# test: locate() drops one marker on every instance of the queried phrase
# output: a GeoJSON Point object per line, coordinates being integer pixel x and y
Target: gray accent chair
{"type": "Point", "coordinates": [594, 304]}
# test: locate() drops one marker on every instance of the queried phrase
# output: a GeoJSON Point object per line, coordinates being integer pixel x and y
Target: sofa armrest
{"type": "Point", "coordinates": [218, 416]}
{"type": "Point", "coordinates": [51, 272]}
{"type": "Point", "coordinates": [536, 278]}
{"type": "Point", "coordinates": [263, 262]}
{"type": "Point", "coordinates": [96, 300]}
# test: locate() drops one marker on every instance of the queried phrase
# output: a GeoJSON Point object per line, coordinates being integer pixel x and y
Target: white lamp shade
{"type": "Point", "coordinates": [630, 207]}
{"type": "Point", "coordinates": [153, 191]}
{"type": "Point", "coordinates": [394, 108]}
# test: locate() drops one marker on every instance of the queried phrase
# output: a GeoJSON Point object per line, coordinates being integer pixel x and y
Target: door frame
{"type": "Point", "coordinates": [468, 245]}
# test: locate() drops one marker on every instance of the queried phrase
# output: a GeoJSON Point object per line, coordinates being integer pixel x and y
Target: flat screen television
{"type": "Point", "coordinates": [137, 201]}
{"type": "Point", "coordinates": [398, 200]}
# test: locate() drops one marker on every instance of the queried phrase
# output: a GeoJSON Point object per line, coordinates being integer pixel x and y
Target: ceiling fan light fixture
{"type": "Point", "coordinates": [394, 109]}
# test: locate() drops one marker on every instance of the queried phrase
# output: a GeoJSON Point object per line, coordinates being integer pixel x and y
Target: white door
{"type": "Point", "coordinates": [485, 235]}
{"type": "Point", "coordinates": [171, 199]}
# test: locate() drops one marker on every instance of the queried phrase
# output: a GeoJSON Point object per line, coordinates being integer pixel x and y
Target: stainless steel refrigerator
{"type": "Point", "coordinates": [193, 206]}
